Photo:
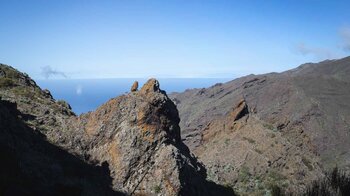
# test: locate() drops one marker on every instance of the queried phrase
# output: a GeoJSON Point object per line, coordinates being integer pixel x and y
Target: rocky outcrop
{"type": "Point", "coordinates": [240, 110]}
{"type": "Point", "coordinates": [135, 137]}
{"type": "Point", "coordinates": [138, 135]}
{"type": "Point", "coordinates": [134, 86]}
{"type": "Point", "coordinates": [152, 85]}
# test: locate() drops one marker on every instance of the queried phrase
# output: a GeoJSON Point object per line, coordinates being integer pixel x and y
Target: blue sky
{"type": "Point", "coordinates": [169, 38]}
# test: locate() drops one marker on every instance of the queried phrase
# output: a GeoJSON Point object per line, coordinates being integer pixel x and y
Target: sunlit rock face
{"type": "Point", "coordinates": [135, 138]}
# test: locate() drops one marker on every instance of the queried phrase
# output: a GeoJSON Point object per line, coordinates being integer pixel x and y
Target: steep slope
{"type": "Point", "coordinates": [139, 136]}
{"type": "Point", "coordinates": [135, 135]}
{"type": "Point", "coordinates": [32, 166]}
{"type": "Point", "coordinates": [41, 112]}
{"type": "Point", "coordinates": [294, 125]}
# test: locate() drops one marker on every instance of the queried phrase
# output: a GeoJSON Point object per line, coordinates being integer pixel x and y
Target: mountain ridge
{"type": "Point", "coordinates": [250, 134]}
{"type": "Point", "coordinates": [135, 136]}
{"type": "Point", "coordinates": [306, 108]}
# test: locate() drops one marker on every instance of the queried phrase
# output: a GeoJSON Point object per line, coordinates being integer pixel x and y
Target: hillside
{"type": "Point", "coordinates": [130, 145]}
{"type": "Point", "coordinates": [255, 134]}
{"type": "Point", "coordinates": [284, 129]}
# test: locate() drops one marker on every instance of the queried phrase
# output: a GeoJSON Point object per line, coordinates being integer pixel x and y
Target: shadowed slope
{"type": "Point", "coordinates": [32, 166]}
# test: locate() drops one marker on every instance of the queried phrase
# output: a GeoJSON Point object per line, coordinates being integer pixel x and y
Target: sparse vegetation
{"type": "Point", "coordinates": [6, 82]}
{"type": "Point", "coordinates": [61, 102]}
{"type": "Point", "coordinates": [336, 182]}
{"type": "Point", "coordinates": [227, 141]}
{"type": "Point", "coordinates": [244, 174]}
{"type": "Point", "coordinates": [276, 176]}
{"type": "Point", "coordinates": [10, 72]}
{"type": "Point", "coordinates": [307, 163]}
{"type": "Point", "coordinates": [228, 168]}
{"type": "Point", "coordinates": [249, 140]}
{"type": "Point", "coordinates": [228, 185]}
{"type": "Point", "coordinates": [276, 190]}
{"type": "Point", "coordinates": [269, 126]}
{"type": "Point", "coordinates": [23, 91]}
{"type": "Point", "coordinates": [26, 92]}
{"type": "Point", "coordinates": [157, 189]}
{"type": "Point", "coordinates": [258, 151]}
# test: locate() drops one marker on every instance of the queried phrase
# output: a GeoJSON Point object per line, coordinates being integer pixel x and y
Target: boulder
{"type": "Point", "coordinates": [240, 110]}
{"type": "Point", "coordinates": [152, 85]}
{"type": "Point", "coordinates": [134, 86]}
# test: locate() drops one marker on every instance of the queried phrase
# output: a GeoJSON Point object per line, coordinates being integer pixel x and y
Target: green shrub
{"type": "Point", "coordinates": [276, 176]}
{"type": "Point", "coordinates": [307, 163]}
{"type": "Point", "coordinates": [336, 182]}
{"type": "Point", "coordinates": [276, 190]}
{"type": "Point", "coordinates": [269, 126]}
{"type": "Point", "coordinates": [244, 174]}
{"type": "Point", "coordinates": [249, 140]}
{"type": "Point", "coordinates": [258, 151]}
{"type": "Point", "coordinates": [227, 141]}
{"type": "Point", "coordinates": [10, 72]}
{"type": "Point", "coordinates": [6, 82]}
{"type": "Point", "coordinates": [22, 91]}
{"type": "Point", "coordinates": [157, 189]}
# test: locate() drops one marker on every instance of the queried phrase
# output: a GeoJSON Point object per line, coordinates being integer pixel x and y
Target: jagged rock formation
{"type": "Point", "coordinates": [134, 86]}
{"type": "Point", "coordinates": [138, 135]}
{"type": "Point", "coordinates": [240, 110]}
{"type": "Point", "coordinates": [295, 125]}
{"type": "Point", "coordinates": [135, 136]}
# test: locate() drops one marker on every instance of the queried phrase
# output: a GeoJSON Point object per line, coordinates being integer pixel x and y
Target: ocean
{"type": "Point", "coordinates": [86, 95]}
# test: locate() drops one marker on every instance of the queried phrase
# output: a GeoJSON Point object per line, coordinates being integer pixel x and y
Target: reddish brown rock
{"type": "Point", "coordinates": [152, 85]}
{"type": "Point", "coordinates": [134, 86]}
{"type": "Point", "coordinates": [133, 141]}
{"type": "Point", "coordinates": [239, 110]}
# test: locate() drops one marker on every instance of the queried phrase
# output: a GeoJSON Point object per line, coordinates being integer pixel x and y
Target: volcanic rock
{"type": "Point", "coordinates": [134, 137]}
{"type": "Point", "coordinates": [296, 124]}
{"type": "Point", "coordinates": [134, 86]}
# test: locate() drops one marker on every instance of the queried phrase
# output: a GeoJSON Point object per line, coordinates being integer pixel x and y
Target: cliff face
{"type": "Point", "coordinates": [292, 126]}
{"type": "Point", "coordinates": [139, 136]}
{"type": "Point", "coordinates": [135, 138]}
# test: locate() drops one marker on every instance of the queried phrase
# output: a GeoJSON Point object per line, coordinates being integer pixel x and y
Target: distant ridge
{"type": "Point", "coordinates": [296, 128]}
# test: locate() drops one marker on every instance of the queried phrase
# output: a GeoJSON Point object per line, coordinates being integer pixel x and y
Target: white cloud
{"type": "Point", "coordinates": [48, 71]}
{"type": "Point", "coordinates": [345, 36]}
{"type": "Point", "coordinates": [79, 90]}
{"type": "Point", "coordinates": [318, 53]}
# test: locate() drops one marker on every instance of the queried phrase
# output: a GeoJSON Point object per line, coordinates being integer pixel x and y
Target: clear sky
{"type": "Point", "coordinates": [169, 38]}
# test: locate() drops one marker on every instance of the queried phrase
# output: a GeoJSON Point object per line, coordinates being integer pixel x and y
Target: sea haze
{"type": "Point", "coordinates": [86, 95]}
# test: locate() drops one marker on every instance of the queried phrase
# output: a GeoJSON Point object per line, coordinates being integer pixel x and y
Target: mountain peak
{"type": "Point", "coordinates": [152, 85]}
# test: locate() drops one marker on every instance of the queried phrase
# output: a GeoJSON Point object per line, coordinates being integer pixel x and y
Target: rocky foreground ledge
{"type": "Point", "coordinates": [136, 137]}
